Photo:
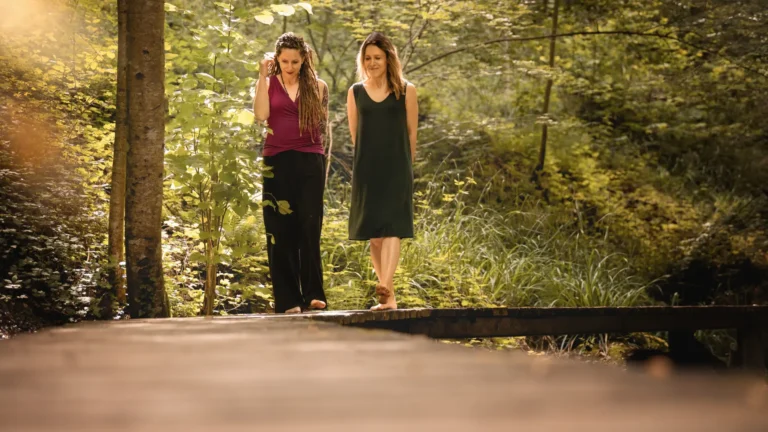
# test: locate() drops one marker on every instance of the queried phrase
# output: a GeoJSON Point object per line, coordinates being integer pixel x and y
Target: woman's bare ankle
{"type": "Point", "coordinates": [317, 305]}
{"type": "Point", "coordinates": [390, 305]}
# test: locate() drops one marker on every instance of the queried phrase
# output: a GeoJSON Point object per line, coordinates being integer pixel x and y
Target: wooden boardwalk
{"type": "Point", "coordinates": [290, 373]}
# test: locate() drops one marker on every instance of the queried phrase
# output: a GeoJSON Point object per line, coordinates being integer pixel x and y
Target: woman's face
{"type": "Point", "coordinates": [375, 61]}
{"type": "Point", "coordinates": [290, 61]}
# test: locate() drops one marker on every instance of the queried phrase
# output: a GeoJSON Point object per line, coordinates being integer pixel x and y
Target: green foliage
{"type": "Point", "coordinates": [214, 181]}
{"type": "Point", "coordinates": [655, 166]}
{"type": "Point", "coordinates": [55, 140]}
{"type": "Point", "coordinates": [651, 140]}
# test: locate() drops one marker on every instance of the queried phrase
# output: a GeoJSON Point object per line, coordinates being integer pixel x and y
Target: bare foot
{"type": "Point", "coordinates": [390, 305]}
{"type": "Point", "coordinates": [317, 305]}
{"type": "Point", "coordinates": [386, 298]}
{"type": "Point", "coordinates": [293, 310]}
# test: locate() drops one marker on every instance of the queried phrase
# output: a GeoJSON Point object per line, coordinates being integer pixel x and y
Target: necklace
{"type": "Point", "coordinates": [282, 82]}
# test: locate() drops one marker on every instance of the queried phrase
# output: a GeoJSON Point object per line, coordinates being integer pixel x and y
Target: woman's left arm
{"type": "Point", "coordinates": [412, 116]}
{"type": "Point", "coordinates": [323, 87]}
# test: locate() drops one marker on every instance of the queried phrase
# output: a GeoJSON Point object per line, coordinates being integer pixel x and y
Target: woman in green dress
{"type": "Point", "coordinates": [383, 116]}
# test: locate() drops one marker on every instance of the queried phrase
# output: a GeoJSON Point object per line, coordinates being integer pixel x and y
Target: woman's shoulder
{"type": "Point", "coordinates": [410, 90]}
{"type": "Point", "coordinates": [354, 88]}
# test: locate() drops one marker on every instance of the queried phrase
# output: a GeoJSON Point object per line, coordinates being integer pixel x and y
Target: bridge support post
{"type": "Point", "coordinates": [753, 344]}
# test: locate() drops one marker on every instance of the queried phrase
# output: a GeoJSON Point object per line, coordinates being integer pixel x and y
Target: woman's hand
{"type": "Point", "coordinates": [266, 64]}
{"type": "Point", "coordinates": [261, 95]}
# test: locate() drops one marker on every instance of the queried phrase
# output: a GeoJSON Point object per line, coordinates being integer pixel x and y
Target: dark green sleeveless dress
{"type": "Point", "coordinates": [382, 177]}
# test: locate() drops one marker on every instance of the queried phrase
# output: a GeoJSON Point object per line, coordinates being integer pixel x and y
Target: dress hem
{"type": "Point", "coordinates": [368, 238]}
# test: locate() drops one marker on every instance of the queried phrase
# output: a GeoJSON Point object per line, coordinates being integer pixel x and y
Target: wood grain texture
{"type": "Point", "coordinates": [287, 373]}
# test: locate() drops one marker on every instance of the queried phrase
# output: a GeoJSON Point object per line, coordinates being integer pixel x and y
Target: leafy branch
{"type": "Point", "coordinates": [586, 33]}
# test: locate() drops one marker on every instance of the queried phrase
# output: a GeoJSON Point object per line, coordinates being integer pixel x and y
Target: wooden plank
{"type": "Point", "coordinates": [283, 373]}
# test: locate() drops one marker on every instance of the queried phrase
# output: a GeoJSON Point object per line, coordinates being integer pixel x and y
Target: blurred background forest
{"type": "Point", "coordinates": [650, 185]}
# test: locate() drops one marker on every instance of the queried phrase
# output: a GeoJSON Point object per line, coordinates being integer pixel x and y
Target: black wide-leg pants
{"type": "Point", "coordinates": [293, 234]}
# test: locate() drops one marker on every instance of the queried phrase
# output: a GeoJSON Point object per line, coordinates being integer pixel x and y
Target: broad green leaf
{"type": "Point", "coordinates": [244, 116]}
{"type": "Point", "coordinates": [205, 77]}
{"type": "Point", "coordinates": [189, 84]}
{"type": "Point", "coordinates": [170, 8]}
{"type": "Point", "coordinates": [284, 10]}
{"type": "Point", "coordinates": [197, 256]}
{"type": "Point", "coordinates": [227, 177]}
{"type": "Point", "coordinates": [240, 210]}
{"type": "Point", "coordinates": [265, 18]}
{"type": "Point", "coordinates": [284, 207]}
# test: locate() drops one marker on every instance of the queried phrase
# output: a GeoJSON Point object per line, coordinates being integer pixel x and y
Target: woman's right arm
{"type": "Point", "coordinates": [261, 96]}
{"type": "Point", "coordinates": [352, 114]}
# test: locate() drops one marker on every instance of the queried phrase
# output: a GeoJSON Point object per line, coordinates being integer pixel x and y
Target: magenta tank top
{"type": "Point", "coordinates": [284, 122]}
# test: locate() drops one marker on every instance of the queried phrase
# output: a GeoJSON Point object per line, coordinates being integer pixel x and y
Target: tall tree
{"type": "Point", "coordinates": [144, 176]}
{"type": "Point", "coordinates": [117, 194]}
{"type": "Point", "coordinates": [547, 96]}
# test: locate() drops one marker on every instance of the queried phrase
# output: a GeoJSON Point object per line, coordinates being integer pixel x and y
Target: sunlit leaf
{"type": "Point", "coordinates": [244, 116]}
{"type": "Point", "coordinates": [170, 8]}
{"type": "Point", "coordinates": [284, 10]}
{"type": "Point", "coordinates": [306, 6]}
{"type": "Point", "coordinates": [284, 207]}
{"type": "Point", "coordinates": [265, 18]}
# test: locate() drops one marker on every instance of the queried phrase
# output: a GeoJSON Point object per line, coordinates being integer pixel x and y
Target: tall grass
{"type": "Point", "coordinates": [466, 254]}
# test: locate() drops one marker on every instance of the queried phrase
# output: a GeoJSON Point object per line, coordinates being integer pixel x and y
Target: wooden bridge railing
{"type": "Point", "coordinates": [750, 322]}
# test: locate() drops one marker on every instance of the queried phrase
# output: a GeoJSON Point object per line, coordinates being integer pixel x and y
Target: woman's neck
{"type": "Point", "coordinates": [380, 82]}
{"type": "Point", "coordinates": [288, 80]}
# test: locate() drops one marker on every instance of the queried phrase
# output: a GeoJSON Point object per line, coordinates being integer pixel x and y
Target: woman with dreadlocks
{"type": "Point", "coordinates": [294, 102]}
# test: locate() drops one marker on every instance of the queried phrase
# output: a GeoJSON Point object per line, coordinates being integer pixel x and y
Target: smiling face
{"type": "Point", "coordinates": [289, 61]}
{"type": "Point", "coordinates": [375, 62]}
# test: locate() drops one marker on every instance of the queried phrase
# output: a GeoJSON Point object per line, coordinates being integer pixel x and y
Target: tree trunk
{"type": "Point", "coordinates": [144, 180]}
{"type": "Point", "coordinates": [117, 193]}
{"type": "Point", "coordinates": [211, 270]}
{"type": "Point", "coordinates": [210, 224]}
{"type": "Point", "coordinates": [547, 95]}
